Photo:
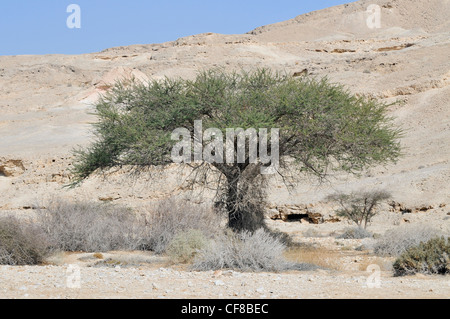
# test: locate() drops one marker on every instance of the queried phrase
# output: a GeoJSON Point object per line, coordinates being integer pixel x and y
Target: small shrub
{"type": "Point", "coordinates": [355, 233]}
{"type": "Point", "coordinates": [431, 257]}
{"type": "Point", "coordinates": [184, 246]}
{"type": "Point", "coordinates": [173, 216]}
{"type": "Point", "coordinates": [396, 241]}
{"type": "Point", "coordinates": [92, 227]}
{"type": "Point", "coordinates": [244, 251]}
{"type": "Point", "coordinates": [21, 243]}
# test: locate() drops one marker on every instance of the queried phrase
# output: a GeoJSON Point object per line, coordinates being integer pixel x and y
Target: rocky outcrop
{"type": "Point", "coordinates": [306, 214]}
{"type": "Point", "coordinates": [11, 167]}
{"type": "Point", "coordinates": [396, 207]}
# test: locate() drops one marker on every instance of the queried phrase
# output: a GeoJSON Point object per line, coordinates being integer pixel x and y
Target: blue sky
{"type": "Point", "coordinates": [39, 26]}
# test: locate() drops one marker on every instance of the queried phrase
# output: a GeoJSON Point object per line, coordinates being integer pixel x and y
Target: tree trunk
{"type": "Point", "coordinates": [243, 214]}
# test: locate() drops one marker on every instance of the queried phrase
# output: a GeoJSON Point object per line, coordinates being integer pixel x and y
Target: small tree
{"type": "Point", "coordinates": [322, 127]}
{"type": "Point", "coordinates": [359, 207]}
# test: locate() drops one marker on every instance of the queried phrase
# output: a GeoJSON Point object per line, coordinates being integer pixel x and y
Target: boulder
{"type": "Point", "coordinates": [11, 168]}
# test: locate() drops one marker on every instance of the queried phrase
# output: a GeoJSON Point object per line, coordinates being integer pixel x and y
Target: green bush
{"type": "Point", "coordinates": [21, 243]}
{"type": "Point", "coordinates": [431, 257]}
{"type": "Point", "coordinates": [185, 245]}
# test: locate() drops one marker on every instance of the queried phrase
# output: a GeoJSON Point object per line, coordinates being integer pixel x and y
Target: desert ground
{"type": "Point", "coordinates": [46, 104]}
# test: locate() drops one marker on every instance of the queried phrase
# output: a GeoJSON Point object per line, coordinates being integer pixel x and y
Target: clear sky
{"type": "Point", "coordinates": [39, 26]}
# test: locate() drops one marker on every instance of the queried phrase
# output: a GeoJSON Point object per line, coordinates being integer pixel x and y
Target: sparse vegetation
{"type": "Point", "coordinates": [355, 233]}
{"type": "Point", "coordinates": [431, 257]}
{"type": "Point", "coordinates": [396, 241]}
{"type": "Point", "coordinates": [185, 245]}
{"type": "Point", "coordinates": [92, 227]}
{"type": "Point", "coordinates": [244, 251]}
{"type": "Point", "coordinates": [174, 216]}
{"type": "Point", "coordinates": [21, 243]}
{"type": "Point", "coordinates": [360, 207]}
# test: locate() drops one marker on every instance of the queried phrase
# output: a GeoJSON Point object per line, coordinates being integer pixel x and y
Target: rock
{"type": "Point", "coordinates": [274, 214]}
{"type": "Point", "coordinates": [304, 72]}
{"type": "Point", "coordinates": [11, 168]}
{"type": "Point", "coordinates": [315, 218]}
{"type": "Point", "coordinates": [305, 221]}
{"type": "Point", "coordinates": [219, 283]}
{"type": "Point", "coordinates": [424, 208]}
{"type": "Point", "coordinates": [332, 220]}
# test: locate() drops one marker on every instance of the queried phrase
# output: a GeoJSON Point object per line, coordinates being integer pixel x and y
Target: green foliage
{"type": "Point", "coordinates": [184, 246]}
{"type": "Point", "coordinates": [431, 257]}
{"type": "Point", "coordinates": [322, 126]}
{"type": "Point", "coordinates": [321, 123]}
{"type": "Point", "coordinates": [359, 207]}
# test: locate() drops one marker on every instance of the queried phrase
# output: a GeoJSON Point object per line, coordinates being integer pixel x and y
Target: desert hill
{"type": "Point", "coordinates": [45, 100]}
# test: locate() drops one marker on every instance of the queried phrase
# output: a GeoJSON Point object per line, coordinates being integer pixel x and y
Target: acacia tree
{"type": "Point", "coordinates": [322, 127]}
{"type": "Point", "coordinates": [360, 207]}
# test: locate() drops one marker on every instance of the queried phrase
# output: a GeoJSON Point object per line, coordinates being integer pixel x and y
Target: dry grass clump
{"type": "Point", "coordinates": [21, 243]}
{"type": "Point", "coordinates": [185, 245]}
{"type": "Point", "coordinates": [245, 251]}
{"type": "Point", "coordinates": [174, 216]}
{"type": "Point", "coordinates": [92, 227]}
{"type": "Point", "coordinates": [396, 241]}
{"type": "Point", "coordinates": [355, 233]}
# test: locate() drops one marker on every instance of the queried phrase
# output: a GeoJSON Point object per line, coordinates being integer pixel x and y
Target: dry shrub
{"type": "Point", "coordinates": [21, 243]}
{"type": "Point", "coordinates": [396, 241]}
{"type": "Point", "coordinates": [185, 245]}
{"type": "Point", "coordinates": [92, 227]}
{"type": "Point", "coordinates": [355, 233]}
{"type": "Point", "coordinates": [245, 251]}
{"type": "Point", "coordinates": [174, 216]}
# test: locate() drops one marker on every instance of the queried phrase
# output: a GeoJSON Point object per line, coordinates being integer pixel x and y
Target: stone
{"type": "Point", "coordinates": [11, 168]}
{"type": "Point", "coordinates": [305, 221]}
{"type": "Point", "coordinates": [315, 218]}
